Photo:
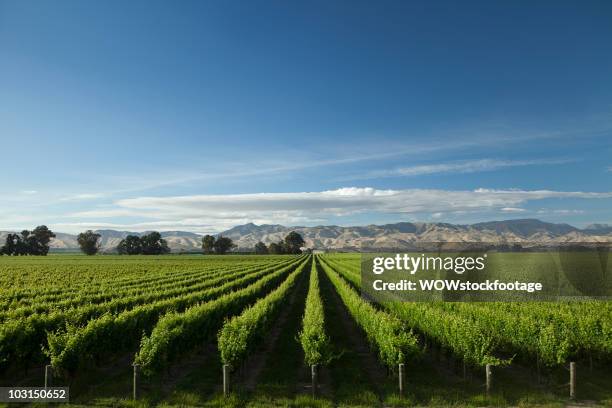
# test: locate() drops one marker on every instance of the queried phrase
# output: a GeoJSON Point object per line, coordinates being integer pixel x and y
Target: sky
{"type": "Point", "coordinates": [199, 116]}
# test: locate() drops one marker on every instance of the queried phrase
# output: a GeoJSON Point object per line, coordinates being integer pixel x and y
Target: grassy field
{"type": "Point", "coordinates": [182, 317]}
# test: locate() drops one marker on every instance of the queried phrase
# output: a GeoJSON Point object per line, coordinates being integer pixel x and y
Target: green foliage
{"type": "Point", "coordinates": [223, 244]}
{"type": "Point", "coordinates": [148, 244]}
{"type": "Point", "coordinates": [494, 333]}
{"type": "Point", "coordinates": [293, 243]}
{"type": "Point", "coordinates": [113, 286]}
{"type": "Point", "coordinates": [242, 333]}
{"type": "Point", "coordinates": [130, 245]}
{"type": "Point", "coordinates": [113, 333]}
{"type": "Point", "coordinates": [153, 244]}
{"type": "Point", "coordinates": [208, 244]}
{"type": "Point", "coordinates": [314, 341]}
{"type": "Point", "coordinates": [393, 340]}
{"type": "Point", "coordinates": [276, 248]}
{"type": "Point", "coordinates": [260, 248]}
{"type": "Point", "coordinates": [89, 242]}
{"type": "Point", "coordinates": [34, 242]}
{"type": "Point", "coordinates": [177, 333]}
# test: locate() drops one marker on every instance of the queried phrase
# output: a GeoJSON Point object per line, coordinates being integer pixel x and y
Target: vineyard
{"type": "Point", "coordinates": [283, 330]}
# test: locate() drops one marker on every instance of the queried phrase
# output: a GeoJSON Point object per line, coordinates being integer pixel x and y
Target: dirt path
{"type": "Point", "coordinates": [356, 375]}
{"type": "Point", "coordinates": [256, 364]}
{"type": "Point", "coordinates": [180, 370]}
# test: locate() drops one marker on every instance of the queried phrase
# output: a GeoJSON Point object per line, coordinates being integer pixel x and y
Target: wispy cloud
{"type": "Point", "coordinates": [560, 211]}
{"type": "Point", "coordinates": [471, 166]}
{"type": "Point", "coordinates": [82, 196]}
{"type": "Point", "coordinates": [335, 156]}
{"type": "Point", "coordinates": [513, 210]}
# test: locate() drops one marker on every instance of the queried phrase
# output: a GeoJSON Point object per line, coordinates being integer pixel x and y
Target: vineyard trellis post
{"type": "Point", "coordinates": [489, 375]}
{"type": "Point", "coordinates": [135, 381]}
{"type": "Point", "coordinates": [572, 383]}
{"type": "Point", "coordinates": [48, 375]}
{"type": "Point", "coordinates": [315, 379]}
{"type": "Point", "coordinates": [402, 378]}
{"type": "Point", "coordinates": [226, 379]}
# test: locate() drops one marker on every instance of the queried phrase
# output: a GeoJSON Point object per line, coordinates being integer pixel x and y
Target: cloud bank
{"type": "Point", "coordinates": [207, 213]}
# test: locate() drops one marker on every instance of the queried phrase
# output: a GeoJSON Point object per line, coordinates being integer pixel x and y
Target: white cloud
{"type": "Point", "coordinates": [28, 192]}
{"type": "Point", "coordinates": [82, 196]}
{"type": "Point", "coordinates": [218, 212]}
{"type": "Point", "coordinates": [471, 166]}
{"type": "Point", "coordinates": [560, 211]}
{"type": "Point", "coordinates": [513, 209]}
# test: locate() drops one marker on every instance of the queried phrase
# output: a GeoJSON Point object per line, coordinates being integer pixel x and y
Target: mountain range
{"type": "Point", "coordinates": [370, 237]}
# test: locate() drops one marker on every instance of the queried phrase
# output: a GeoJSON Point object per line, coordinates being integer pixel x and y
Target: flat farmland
{"type": "Point", "coordinates": [182, 322]}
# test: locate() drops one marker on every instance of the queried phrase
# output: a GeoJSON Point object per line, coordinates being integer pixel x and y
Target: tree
{"type": "Point", "coordinates": [42, 237]}
{"type": "Point", "coordinates": [276, 248]}
{"type": "Point", "coordinates": [208, 244]}
{"type": "Point", "coordinates": [223, 244]}
{"type": "Point", "coordinates": [29, 242]}
{"type": "Point", "coordinates": [130, 245]}
{"type": "Point", "coordinates": [293, 243]}
{"type": "Point", "coordinates": [11, 245]}
{"type": "Point", "coordinates": [88, 241]}
{"type": "Point", "coordinates": [153, 244]}
{"type": "Point", "coordinates": [260, 248]}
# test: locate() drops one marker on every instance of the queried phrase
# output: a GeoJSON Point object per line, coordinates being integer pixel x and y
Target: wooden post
{"type": "Point", "coordinates": [402, 378]}
{"type": "Point", "coordinates": [464, 370]}
{"type": "Point", "coordinates": [315, 379]}
{"type": "Point", "coordinates": [135, 382]}
{"type": "Point", "coordinates": [226, 380]}
{"type": "Point", "coordinates": [489, 374]}
{"type": "Point", "coordinates": [48, 375]}
{"type": "Point", "coordinates": [572, 383]}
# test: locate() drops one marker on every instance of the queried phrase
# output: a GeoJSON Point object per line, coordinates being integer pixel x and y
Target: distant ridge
{"type": "Point", "coordinates": [398, 235]}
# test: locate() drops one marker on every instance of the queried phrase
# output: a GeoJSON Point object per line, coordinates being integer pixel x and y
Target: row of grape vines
{"type": "Point", "coordinates": [22, 340]}
{"type": "Point", "coordinates": [122, 332]}
{"type": "Point", "coordinates": [85, 307]}
{"type": "Point", "coordinates": [178, 333]}
{"type": "Point", "coordinates": [315, 343]}
{"type": "Point", "coordinates": [494, 333]}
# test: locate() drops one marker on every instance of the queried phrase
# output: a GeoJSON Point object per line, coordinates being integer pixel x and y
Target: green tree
{"type": "Point", "coordinates": [130, 245]}
{"type": "Point", "coordinates": [89, 242]}
{"type": "Point", "coordinates": [223, 244]}
{"type": "Point", "coordinates": [293, 243]}
{"type": "Point", "coordinates": [29, 242]}
{"type": "Point", "coordinates": [42, 237]}
{"type": "Point", "coordinates": [260, 248]}
{"type": "Point", "coordinates": [26, 244]}
{"type": "Point", "coordinates": [276, 248]}
{"type": "Point", "coordinates": [208, 244]}
{"type": "Point", "coordinates": [153, 244]}
{"type": "Point", "coordinates": [11, 245]}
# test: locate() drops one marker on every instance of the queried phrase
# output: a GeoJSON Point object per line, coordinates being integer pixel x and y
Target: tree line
{"type": "Point", "coordinates": [292, 244]}
{"type": "Point", "coordinates": [36, 242]}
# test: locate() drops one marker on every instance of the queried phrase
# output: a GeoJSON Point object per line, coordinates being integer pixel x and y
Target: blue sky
{"type": "Point", "coordinates": [203, 115]}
